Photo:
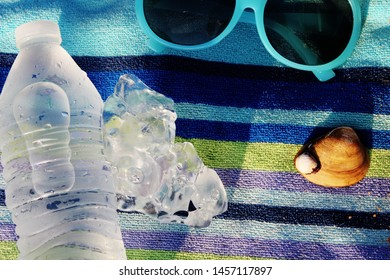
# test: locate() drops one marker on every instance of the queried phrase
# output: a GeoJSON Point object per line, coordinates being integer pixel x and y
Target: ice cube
{"type": "Point", "coordinates": [153, 174]}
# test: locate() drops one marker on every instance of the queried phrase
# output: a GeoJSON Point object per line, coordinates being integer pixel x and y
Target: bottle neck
{"type": "Point", "coordinates": [38, 40]}
{"type": "Point", "coordinates": [37, 32]}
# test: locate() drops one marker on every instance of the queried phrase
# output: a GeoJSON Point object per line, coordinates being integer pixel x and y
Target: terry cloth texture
{"type": "Point", "coordinates": [247, 116]}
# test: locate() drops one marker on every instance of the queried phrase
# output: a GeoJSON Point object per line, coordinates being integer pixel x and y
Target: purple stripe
{"type": "Point", "coordinates": [7, 232]}
{"type": "Point", "coordinates": [287, 181]}
{"type": "Point", "coordinates": [228, 246]}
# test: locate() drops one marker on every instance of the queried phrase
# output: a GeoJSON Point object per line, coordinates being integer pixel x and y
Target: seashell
{"type": "Point", "coordinates": [337, 159]}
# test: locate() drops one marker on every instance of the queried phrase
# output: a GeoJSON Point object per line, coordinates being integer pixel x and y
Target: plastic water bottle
{"type": "Point", "coordinates": [59, 187]}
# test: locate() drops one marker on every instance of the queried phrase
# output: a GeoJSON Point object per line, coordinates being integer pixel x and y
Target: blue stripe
{"type": "Point", "coordinates": [329, 119]}
{"type": "Point", "coordinates": [373, 98]}
{"type": "Point", "coordinates": [110, 28]}
{"type": "Point", "coordinates": [271, 133]}
{"type": "Point", "coordinates": [306, 216]}
{"type": "Point", "coordinates": [354, 90]}
{"type": "Point", "coordinates": [117, 63]}
{"type": "Point", "coordinates": [308, 200]}
{"type": "Point", "coordinates": [294, 182]}
{"type": "Point", "coordinates": [2, 197]}
{"type": "Point", "coordinates": [264, 231]}
{"type": "Point", "coordinates": [215, 68]}
{"type": "Point", "coordinates": [195, 88]}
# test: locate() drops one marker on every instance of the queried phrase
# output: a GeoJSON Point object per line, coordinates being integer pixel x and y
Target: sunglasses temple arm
{"type": "Point", "coordinates": [294, 41]}
{"type": "Point", "coordinates": [286, 34]}
{"type": "Point", "coordinates": [307, 56]}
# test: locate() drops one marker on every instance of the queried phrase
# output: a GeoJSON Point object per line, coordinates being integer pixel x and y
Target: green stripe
{"type": "Point", "coordinates": [137, 254]}
{"type": "Point", "coordinates": [269, 156]}
{"type": "Point", "coordinates": [278, 116]}
{"type": "Point", "coordinates": [8, 251]}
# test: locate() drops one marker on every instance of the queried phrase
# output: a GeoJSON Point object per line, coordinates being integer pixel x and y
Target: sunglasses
{"type": "Point", "coordinates": [311, 35]}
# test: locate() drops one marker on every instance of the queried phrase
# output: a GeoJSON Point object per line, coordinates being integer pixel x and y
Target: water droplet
{"type": "Point", "coordinates": [214, 195]}
{"type": "Point", "coordinates": [37, 143]}
{"type": "Point", "coordinates": [146, 129]}
{"type": "Point", "coordinates": [47, 126]}
{"type": "Point", "coordinates": [136, 176]}
{"type": "Point", "coordinates": [181, 181]}
{"type": "Point", "coordinates": [113, 132]}
{"type": "Point", "coordinates": [57, 80]}
{"type": "Point", "coordinates": [23, 175]}
{"type": "Point", "coordinates": [65, 114]}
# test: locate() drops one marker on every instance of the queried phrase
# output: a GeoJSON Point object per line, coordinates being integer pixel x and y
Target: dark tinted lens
{"type": "Point", "coordinates": [188, 22]}
{"type": "Point", "coordinates": [309, 32]}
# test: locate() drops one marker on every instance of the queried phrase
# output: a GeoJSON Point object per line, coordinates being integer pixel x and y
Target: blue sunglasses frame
{"type": "Point", "coordinates": [323, 72]}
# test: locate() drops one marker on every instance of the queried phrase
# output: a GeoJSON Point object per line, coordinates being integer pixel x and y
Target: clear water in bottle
{"type": "Point", "coordinates": [59, 186]}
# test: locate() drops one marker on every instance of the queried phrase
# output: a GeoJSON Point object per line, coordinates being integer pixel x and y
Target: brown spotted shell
{"type": "Point", "coordinates": [337, 159]}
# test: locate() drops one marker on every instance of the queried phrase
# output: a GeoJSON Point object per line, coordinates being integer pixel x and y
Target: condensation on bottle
{"type": "Point", "coordinates": [59, 186]}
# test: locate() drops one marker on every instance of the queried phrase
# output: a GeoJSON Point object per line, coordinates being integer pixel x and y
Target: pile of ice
{"type": "Point", "coordinates": [153, 174]}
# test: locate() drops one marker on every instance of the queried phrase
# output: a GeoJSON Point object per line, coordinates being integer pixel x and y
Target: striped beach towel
{"type": "Point", "coordinates": [247, 116]}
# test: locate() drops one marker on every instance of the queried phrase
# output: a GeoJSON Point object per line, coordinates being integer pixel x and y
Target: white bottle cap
{"type": "Point", "coordinates": [37, 31]}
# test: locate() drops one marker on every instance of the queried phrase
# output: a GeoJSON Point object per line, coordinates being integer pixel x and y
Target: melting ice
{"type": "Point", "coordinates": [153, 174]}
